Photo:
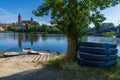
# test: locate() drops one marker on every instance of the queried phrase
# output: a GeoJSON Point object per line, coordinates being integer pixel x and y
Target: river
{"type": "Point", "coordinates": [18, 41]}
{"type": "Point", "coordinates": [39, 42]}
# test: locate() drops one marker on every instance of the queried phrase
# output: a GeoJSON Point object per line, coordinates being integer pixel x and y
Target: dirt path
{"type": "Point", "coordinates": [24, 71]}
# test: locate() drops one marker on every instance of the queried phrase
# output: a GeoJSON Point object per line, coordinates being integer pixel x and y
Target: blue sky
{"type": "Point", "coordinates": [9, 10]}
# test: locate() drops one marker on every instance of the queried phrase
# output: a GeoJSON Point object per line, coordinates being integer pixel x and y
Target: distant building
{"type": "Point", "coordinates": [1, 28]}
{"type": "Point", "coordinates": [22, 23]}
{"type": "Point", "coordinates": [4, 26]}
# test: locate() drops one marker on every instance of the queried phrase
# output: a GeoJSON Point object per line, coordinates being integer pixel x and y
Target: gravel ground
{"type": "Point", "coordinates": [25, 71]}
{"type": "Point", "coordinates": [42, 74]}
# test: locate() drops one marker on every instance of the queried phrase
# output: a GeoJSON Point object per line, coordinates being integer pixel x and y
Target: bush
{"type": "Point", "coordinates": [13, 28]}
{"type": "Point", "coordinates": [109, 34]}
{"type": "Point", "coordinates": [56, 63]}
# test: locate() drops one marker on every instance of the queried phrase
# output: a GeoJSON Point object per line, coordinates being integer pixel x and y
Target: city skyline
{"type": "Point", "coordinates": [9, 10]}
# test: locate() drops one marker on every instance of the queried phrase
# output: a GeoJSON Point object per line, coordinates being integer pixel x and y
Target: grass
{"type": "Point", "coordinates": [55, 63]}
{"type": "Point", "coordinates": [72, 71]}
{"type": "Point", "coordinates": [1, 53]}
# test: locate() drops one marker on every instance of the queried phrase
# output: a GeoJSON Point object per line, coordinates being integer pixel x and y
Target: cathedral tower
{"type": "Point", "coordinates": [19, 19]}
{"type": "Point", "coordinates": [31, 21]}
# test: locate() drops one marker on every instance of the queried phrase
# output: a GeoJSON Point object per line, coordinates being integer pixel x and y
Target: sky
{"type": "Point", "coordinates": [9, 10]}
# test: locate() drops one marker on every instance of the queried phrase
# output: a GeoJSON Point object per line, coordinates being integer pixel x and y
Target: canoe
{"type": "Point", "coordinates": [27, 50]}
{"type": "Point", "coordinates": [95, 57]}
{"type": "Point", "coordinates": [10, 54]}
{"type": "Point", "coordinates": [100, 45]}
{"type": "Point", "coordinates": [100, 51]}
{"type": "Point", "coordinates": [97, 63]}
{"type": "Point", "coordinates": [33, 52]}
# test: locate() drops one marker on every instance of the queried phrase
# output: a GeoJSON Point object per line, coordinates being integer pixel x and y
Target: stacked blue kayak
{"type": "Point", "coordinates": [97, 54]}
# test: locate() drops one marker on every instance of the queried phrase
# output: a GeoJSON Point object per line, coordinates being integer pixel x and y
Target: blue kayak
{"type": "Point", "coordinates": [97, 63]}
{"type": "Point", "coordinates": [95, 57]}
{"type": "Point", "coordinates": [100, 51]}
{"type": "Point", "coordinates": [100, 45]}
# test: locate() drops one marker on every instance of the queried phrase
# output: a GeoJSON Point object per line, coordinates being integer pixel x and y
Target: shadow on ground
{"type": "Point", "coordinates": [41, 74]}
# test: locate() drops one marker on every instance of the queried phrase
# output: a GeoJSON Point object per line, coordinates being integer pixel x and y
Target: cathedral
{"type": "Point", "coordinates": [22, 23]}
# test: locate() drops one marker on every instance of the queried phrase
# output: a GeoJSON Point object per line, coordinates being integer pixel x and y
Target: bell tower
{"type": "Point", "coordinates": [31, 20]}
{"type": "Point", "coordinates": [19, 19]}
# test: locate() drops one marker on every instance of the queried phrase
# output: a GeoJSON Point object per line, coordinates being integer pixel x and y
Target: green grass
{"type": "Point", "coordinates": [1, 53]}
{"type": "Point", "coordinates": [54, 63]}
{"type": "Point", "coordinates": [77, 72]}
{"type": "Point", "coordinates": [72, 71]}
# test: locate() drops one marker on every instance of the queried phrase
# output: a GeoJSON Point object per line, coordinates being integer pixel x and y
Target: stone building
{"type": "Point", "coordinates": [4, 26]}
{"type": "Point", "coordinates": [1, 28]}
{"type": "Point", "coordinates": [22, 23]}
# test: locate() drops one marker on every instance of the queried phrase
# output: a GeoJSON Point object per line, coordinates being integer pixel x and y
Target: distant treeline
{"type": "Point", "coordinates": [35, 28]}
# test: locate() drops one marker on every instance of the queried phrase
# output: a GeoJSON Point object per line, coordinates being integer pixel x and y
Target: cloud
{"type": "Point", "coordinates": [7, 17]}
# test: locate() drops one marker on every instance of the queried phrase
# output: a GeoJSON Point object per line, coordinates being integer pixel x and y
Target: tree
{"type": "Point", "coordinates": [44, 28]}
{"type": "Point", "coordinates": [28, 27]}
{"type": "Point", "coordinates": [74, 17]}
{"type": "Point", "coordinates": [13, 28]}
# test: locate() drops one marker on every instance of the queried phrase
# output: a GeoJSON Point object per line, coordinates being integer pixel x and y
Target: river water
{"type": "Point", "coordinates": [18, 41]}
{"type": "Point", "coordinates": [51, 42]}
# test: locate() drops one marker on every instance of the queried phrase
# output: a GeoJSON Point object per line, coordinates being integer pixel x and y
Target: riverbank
{"type": "Point", "coordinates": [10, 68]}
{"type": "Point", "coordinates": [56, 69]}
{"type": "Point", "coordinates": [26, 67]}
{"type": "Point", "coordinates": [72, 71]}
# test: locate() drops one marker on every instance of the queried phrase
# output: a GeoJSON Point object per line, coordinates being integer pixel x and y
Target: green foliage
{"type": "Point", "coordinates": [32, 28]}
{"type": "Point", "coordinates": [55, 63]}
{"type": "Point", "coordinates": [72, 71]}
{"type": "Point", "coordinates": [109, 34]}
{"type": "Point", "coordinates": [27, 28]}
{"type": "Point", "coordinates": [44, 28]}
{"type": "Point", "coordinates": [35, 28]}
{"type": "Point", "coordinates": [78, 72]}
{"type": "Point", "coordinates": [13, 28]}
{"type": "Point", "coordinates": [74, 16]}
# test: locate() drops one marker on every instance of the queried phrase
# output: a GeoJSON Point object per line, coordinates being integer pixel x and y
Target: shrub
{"type": "Point", "coordinates": [109, 34]}
{"type": "Point", "coordinates": [55, 63]}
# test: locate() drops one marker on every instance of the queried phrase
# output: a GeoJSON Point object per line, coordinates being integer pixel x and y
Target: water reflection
{"type": "Point", "coordinates": [51, 42]}
{"type": "Point", "coordinates": [28, 37]}
{"type": "Point", "coordinates": [18, 41]}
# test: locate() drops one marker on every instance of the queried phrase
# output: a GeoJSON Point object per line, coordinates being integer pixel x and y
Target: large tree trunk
{"type": "Point", "coordinates": [72, 49]}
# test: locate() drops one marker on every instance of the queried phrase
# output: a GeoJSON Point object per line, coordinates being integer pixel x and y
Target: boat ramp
{"type": "Point", "coordinates": [30, 57]}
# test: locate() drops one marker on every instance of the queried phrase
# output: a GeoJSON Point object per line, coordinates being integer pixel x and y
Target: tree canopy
{"type": "Point", "coordinates": [79, 13]}
{"type": "Point", "coordinates": [74, 16]}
